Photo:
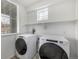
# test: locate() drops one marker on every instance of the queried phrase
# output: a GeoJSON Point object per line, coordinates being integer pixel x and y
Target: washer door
{"type": "Point", "coordinates": [52, 51]}
{"type": "Point", "coordinates": [21, 46]}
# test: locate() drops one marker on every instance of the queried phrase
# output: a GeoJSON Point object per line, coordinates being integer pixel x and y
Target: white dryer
{"type": "Point", "coordinates": [53, 47]}
{"type": "Point", "coordinates": [26, 46]}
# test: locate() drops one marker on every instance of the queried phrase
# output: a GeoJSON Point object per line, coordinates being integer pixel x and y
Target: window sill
{"type": "Point", "coordinates": [9, 34]}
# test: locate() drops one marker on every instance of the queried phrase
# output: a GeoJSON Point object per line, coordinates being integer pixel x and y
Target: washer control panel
{"type": "Point", "coordinates": [20, 36]}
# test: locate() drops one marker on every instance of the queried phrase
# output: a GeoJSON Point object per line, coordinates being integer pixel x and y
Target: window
{"type": "Point", "coordinates": [8, 17]}
{"type": "Point", "coordinates": [5, 23]}
{"type": "Point", "coordinates": [42, 14]}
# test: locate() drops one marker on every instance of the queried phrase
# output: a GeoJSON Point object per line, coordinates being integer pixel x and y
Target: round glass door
{"type": "Point", "coordinates": [21, 46]}
{"type": "Point", "coordinates": [52, 51]}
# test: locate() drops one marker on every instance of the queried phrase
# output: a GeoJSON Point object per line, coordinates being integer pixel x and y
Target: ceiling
{"type": "Point", "coordinates": [27, 2]}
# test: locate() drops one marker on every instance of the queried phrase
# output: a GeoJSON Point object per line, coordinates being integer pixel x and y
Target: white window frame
{"type": "Point", "coordinates": [39, 12]}
{"type": "Point", "coordinates": [17, 20]}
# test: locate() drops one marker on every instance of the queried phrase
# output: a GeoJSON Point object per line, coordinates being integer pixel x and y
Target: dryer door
{"type": "Point", "coordinates": [52, 51]}
{"type": "Point", "coordinates": [21, 46]}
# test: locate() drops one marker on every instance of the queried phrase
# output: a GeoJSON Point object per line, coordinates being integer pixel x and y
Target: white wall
{"type": "Point", "coordinates": [7, 46]}
{"type": "Point", "coordinates": [66, 29]}
{"type": "Point", "coordinates": [22, 19]}
{"type": "Point", "coordinates": [58, 10]}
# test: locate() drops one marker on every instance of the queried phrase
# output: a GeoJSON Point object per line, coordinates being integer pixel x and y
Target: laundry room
{"type": "Point", "coordinates": [39, 29]}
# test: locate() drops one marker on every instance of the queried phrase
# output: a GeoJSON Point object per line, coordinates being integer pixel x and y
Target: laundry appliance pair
{"type": "Point", "coordinates": [48, 46]}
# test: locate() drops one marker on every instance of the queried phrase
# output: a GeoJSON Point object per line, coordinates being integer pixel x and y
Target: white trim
{"type": "Point", "coordinates": [12, 34]}
{"type": "Point", "coordinates": [8, 34]}
{"type": "Point", "coordinates": [18, 19]}
{"type": "Point", "coordinates": [17, 14]}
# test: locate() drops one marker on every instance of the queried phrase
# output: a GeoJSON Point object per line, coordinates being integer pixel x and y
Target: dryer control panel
{"type": "Point", "coordinates": [52, 40]}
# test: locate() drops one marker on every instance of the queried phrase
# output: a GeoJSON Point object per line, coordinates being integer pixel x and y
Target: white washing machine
{"type": "Point", "coordinates": [26, 46]}
{"type": "Point", "coordinates": [53, 47]}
